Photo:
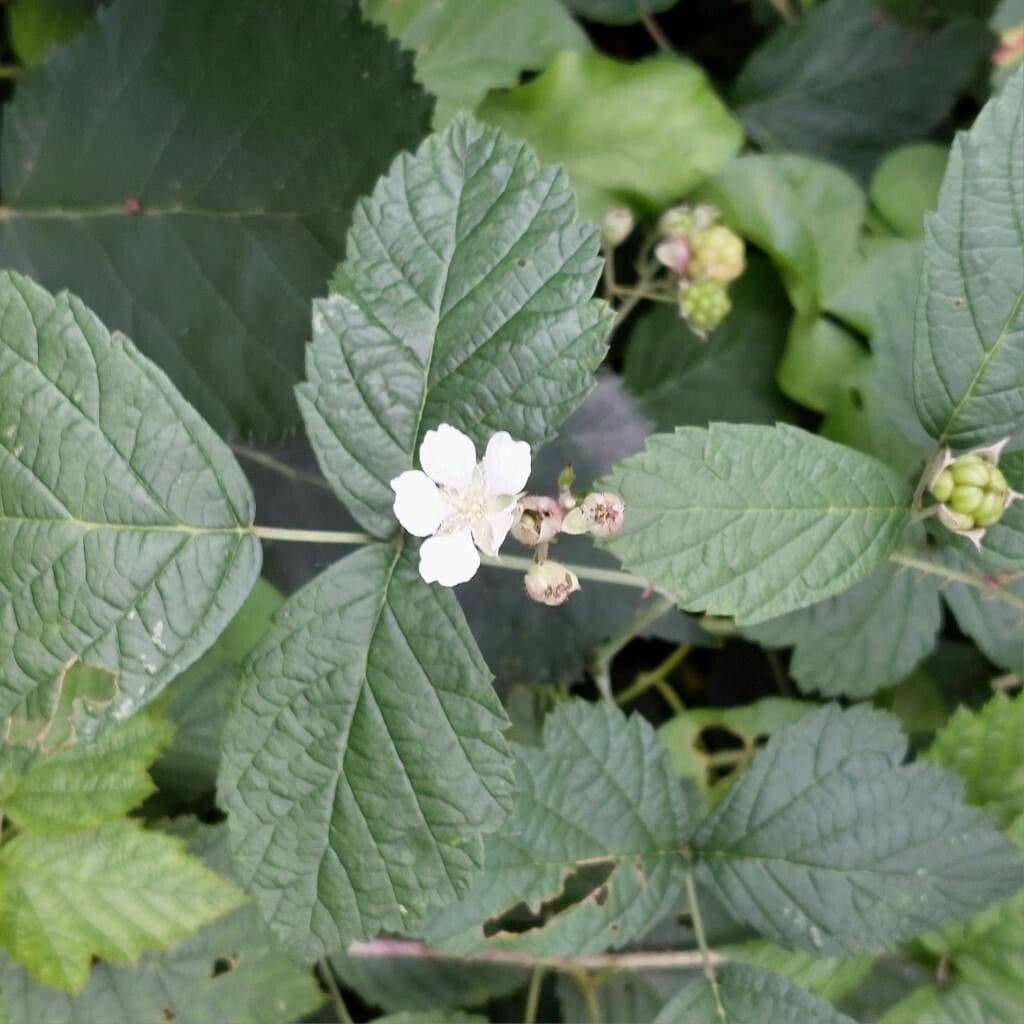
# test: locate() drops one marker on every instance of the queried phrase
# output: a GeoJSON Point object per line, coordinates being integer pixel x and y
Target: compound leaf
{"type": "Point", "coordinates": [595, 840]}
{"type": "Point", "coordinates": [829, 843]}
{"type": "Point", "coordinates": [754, 521]}
{"type": "Point", "coordinates": [125, 540]}
{"type": "Point", "coordinates": [969, 331]}
{"type": "Point", "coordinates": [363, 759]}
{"type": "Point", "coordinates": [464, 299]}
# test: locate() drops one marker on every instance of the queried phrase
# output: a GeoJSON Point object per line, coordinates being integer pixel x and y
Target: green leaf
{"type": "Point", "coordinates": [623, 997]}
{"type": "Point", "coordinates": [680, 380]}
{"type": "Point", "coordinates": [37, 25]}
{"type": "Point", "coordinates": [464, 299]}
{"type": "Point", "coordinates": [643, 133]}
{"type": "Point", "coordinates": [125, 541]}
{"type": "Point", "coordinates": [844, 84]}
{"type": "Point", "coordinates": [617, 12]}
{"type": "Point", "coordinates": [165, 169]}
{"type": "Point", "coordinates": [961, 1004]}
{"type": "Point", "coordinates": [806, 214]}
{"type": "Point", "coordinates": [110, 892]}
{"type": "Point", "coordinates": [994, 625]}
{"type": "Point", "coordinates": [905, 186]}
{"type": "Point", "coordinates": [820, 356]}
{"type": "Point", "coordinates": [986, 749]}
{"type": "Point", "coordinates": [969, 333]}
{"type": "Point", "coordinates": [594, 841]}
{"type": "Point", "coordinates": [863, 639]}
{"type": "Point", "coordinates": [363, 759]}
{"type": "Point", "coordinates": [230, 972]}
{"type": "Point", "coordinates": [430, 1017]}
{"type": "Point", "coordinates": [88, 783]}
{"type": "Point", "coordinates": [748, 996]}
{"type": "Point", "coordinates": [754, 521]}
{"type": "Point", "coordinates": [1003, 546]}
{"type": "Point", "coordinates": [829, 843]}
{"type": "Point", "coordinates": [198, 700]}
{"type": "Point", "coordinates": [829, 977]}
{"type": "Point", "coordinates": [464, 50]}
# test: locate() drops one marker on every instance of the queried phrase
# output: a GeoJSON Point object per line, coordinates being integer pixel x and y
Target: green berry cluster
{"type": "Point", "coordinates": [716, 253]}
{"type": "Point", "coordinates": [705, 304]}
{"type": "Point", "coordinates": [974, 490]}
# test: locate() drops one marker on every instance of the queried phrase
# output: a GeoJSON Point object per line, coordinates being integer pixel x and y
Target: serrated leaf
{"type": "Point", "coordinates": [754, 521]}
{"type": "Point", "coordinates": [905, 186]}
{"type": "Point", "coordinates": [140, 172]}
{"type": "Point", "coordinates": [464, 50]}
{"type": "Point", "coordinates": [363, 760]}
{"type": "Point", "coordinates": [88, 783]}
{"type": "Point", "coordinates": [125, 540]}
{"type": "Point", "coordinates": [861, 640]}
{"type": "Point", "coordinates": [230, 972]}
{"type": "Point", "coordinates": [748, 996]}
{"type": "Point", "coordinates": [682, 380]}
{"type": "Point", "coordinates": [986, 749]}
{"type": "Point", "coordinates": [601, 798]}
{"type": "Point", "coordinates": [969, 331]}
{"type": "Point", "coordinates": [464, 299]}
{"type": "Point", "coordinates": [828, 977]}
{"type": "Point", "coordinates": [846, 85]}
{"type": "Point", "coordinates": [643, 133]}
{"type": "Point", "coordinates": [829, 843]}
{"type": "Point", "coordinates": [198, 700]}
{"type": "Point", "coordinates": [110, 892]}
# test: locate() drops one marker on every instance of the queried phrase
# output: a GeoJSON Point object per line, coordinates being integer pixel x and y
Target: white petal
{"type": "Point", "coordinates": [448, 457]}
{"type": "Point", "coordinates": [490, 532]}
{"type": "Point", "coordinates": [507, 464]}
{"type": "Point", "coordinates": [449, 558]}
{"type": "Point", "coordinates": [419, 506]}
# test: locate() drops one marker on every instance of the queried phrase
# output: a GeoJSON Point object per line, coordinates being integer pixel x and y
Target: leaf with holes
{"type": "Point", "coordinates": [755, 521]}
{"type": "Point", "coordinates": [464, 299]}
{"type": "Point", "coordinates": [125, 540]}
{"type": "Point", "coordinates": [969, 331]}
{"type": "Point", "coordinates": [162, 167]}
{"type": "Point", "coordinates": [111, 892]}
{"type": "Point", "coordinates": [363, 760]}
{"type": "Point", "coordinates": [829, 843]}
{"type": "Point", "coordinates": [591, 856]}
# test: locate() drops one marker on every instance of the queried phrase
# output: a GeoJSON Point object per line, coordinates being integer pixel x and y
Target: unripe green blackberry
{"type": "Point", "coordinates": [960, 521]}
{"type": "Point", "coordinates": [966, 499]}
{"type": "Point", "coordinates": [942, 486]}
{"type": "Point", "coordinates": [990, 511]}
{"type": "Point", "coordinates": [996, 481]}
{"type": "Point", "coordinates": [973, 473]}
{"type": "Point", "coordinates": [705, 304]}
{"type": "Point", "coordinates": [971, 491]}
{"type": "Point", "coordinates": [716, 253]}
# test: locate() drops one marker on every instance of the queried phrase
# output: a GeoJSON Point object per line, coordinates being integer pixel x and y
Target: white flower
{"type": "Point", "coordinates": [460, 504]}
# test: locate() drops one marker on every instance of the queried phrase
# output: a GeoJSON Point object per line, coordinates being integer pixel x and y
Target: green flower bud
{"type": "Point", "coordinates": [990, 511]}
{"type": "Point", "coordinates": [704, 304]}
{"type": "Point", "coordinates": [973, 473]}
{"type": "Point", "coordinates": [942, 486]}
{"type": "Point", "coordinates": [616, 226]}
{"type": "Point", "coordinates": [676, 221]}
{"type": "Point", "coordinates": [551, 583]}
{"type": "Point", "coordinates": [716, 253]}
{"type": "Point", "coordinates": [966, 499]}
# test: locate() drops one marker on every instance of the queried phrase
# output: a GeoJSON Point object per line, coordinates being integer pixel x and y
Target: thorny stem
{"type": "Point", "coordinates": [533, 995]}
{"type": "Point", "coordinates": [702, 943]}
{"type": "Point", "coordinates": [645, 680]}
{"type": "Point", "coordinates": [323, 968]}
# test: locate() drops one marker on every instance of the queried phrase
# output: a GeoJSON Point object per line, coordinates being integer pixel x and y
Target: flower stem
{"type": "Point", "coordinates": [702, 943]}
{"type": "Point", "coordinates": [584, 572]}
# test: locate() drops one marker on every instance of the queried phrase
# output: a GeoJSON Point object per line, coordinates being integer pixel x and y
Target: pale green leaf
{"type": "Point", "coordinates": [829, 977]}
{"type": "Point", "coordinates": [844, 84]}
{"type": "Point", "coordinates": [682, 380]}
{"type": "Point", "coordinates": [905, 186]}
{"type": "Point", "coordinates": [969, 332]}
{"type": "Point", "coordinates": [829, 843]}
{"type": "Point", "coordinates": [643, 133]}
{"type": "Point", "coordinates": [110, 892]}
{"type": "Point", "coordinates": [88, 783]}
{"type": "Point", "coordinates": [986, 749]}
{"type": "Point", "coordinates": [125, 540]}
{"type": "Point", "coordinates": [623, 997]}
{"type": "Point", "coordinates": [230, 972]}
{"type": "Point", "coordinates": [748, 996]}
{"type": "Point", "coordinates": [190, 169]}
{"type": "Point", "coordinates": [961, 1004]}
{"type": "Point", "coordinates": [754, 521]}
{"type": "Point", "coordinates": [37, 25]}
{"type": "Point", "coordinates": [617, 12]}
{"type": "Point", "coordinates": [820, 356]}
{"type": "Point", "coordinates": [464, 299]}
{"type": "Point", "coordinates": [594, 840]}
{"type": "Point", "coordinates": [863, 639]}
{"type": "Point", "coordinates": [363, 760]}
{"type": "Point", "coordinates": [463, 50]}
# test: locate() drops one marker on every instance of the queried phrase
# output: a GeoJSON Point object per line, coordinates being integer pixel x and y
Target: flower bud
{"type": "Point", "coordinates": [539, 520]}
{"type": "Point", "coordinates": [673, 254]}
{"type": "Point", "coordinates": [616, 226]}
{"type": "Point", "coordinates": [551, 583]}
{"type": "Point", "coordinates": [605, 513]}
{"type": "Point", "coordinates": [704, 304]}
{"type": "Point", "coordinates": [676, 222]}
{"type": "Point", "coordinates": [716, 253]}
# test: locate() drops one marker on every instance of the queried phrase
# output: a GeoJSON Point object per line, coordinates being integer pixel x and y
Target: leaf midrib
{"type": "Point", "coordinates": [88, 526]}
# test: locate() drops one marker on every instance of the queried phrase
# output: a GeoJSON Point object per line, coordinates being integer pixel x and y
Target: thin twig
{"type": "Point", "coordinates": [584, 572]}
{"type": "Point", "coordinates": [600, 660]}
{"type": "Point", "coordinates": [323, 968]}
{"type": "Point", "coordinates": [702, 943]}
{"type": "Point", "coordinates": [533, 995]}
{"type": "Point", "coordinates": [586, 987]}
{"type": "Point", "coordinates": [656, 32]}
{"type": "Point", "coordinates": [278, 466]}
{"type": "Point", "coordinates": [645, 680]}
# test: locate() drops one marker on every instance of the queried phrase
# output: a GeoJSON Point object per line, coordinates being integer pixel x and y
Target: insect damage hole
{"type": "Point", "coordinates": [224, 965]}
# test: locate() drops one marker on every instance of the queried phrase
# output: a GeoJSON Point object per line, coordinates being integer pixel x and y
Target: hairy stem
{"type": "Point", "coordinates": [702, 944]}
{"type": "Point", "coordinates": [323, 969]}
